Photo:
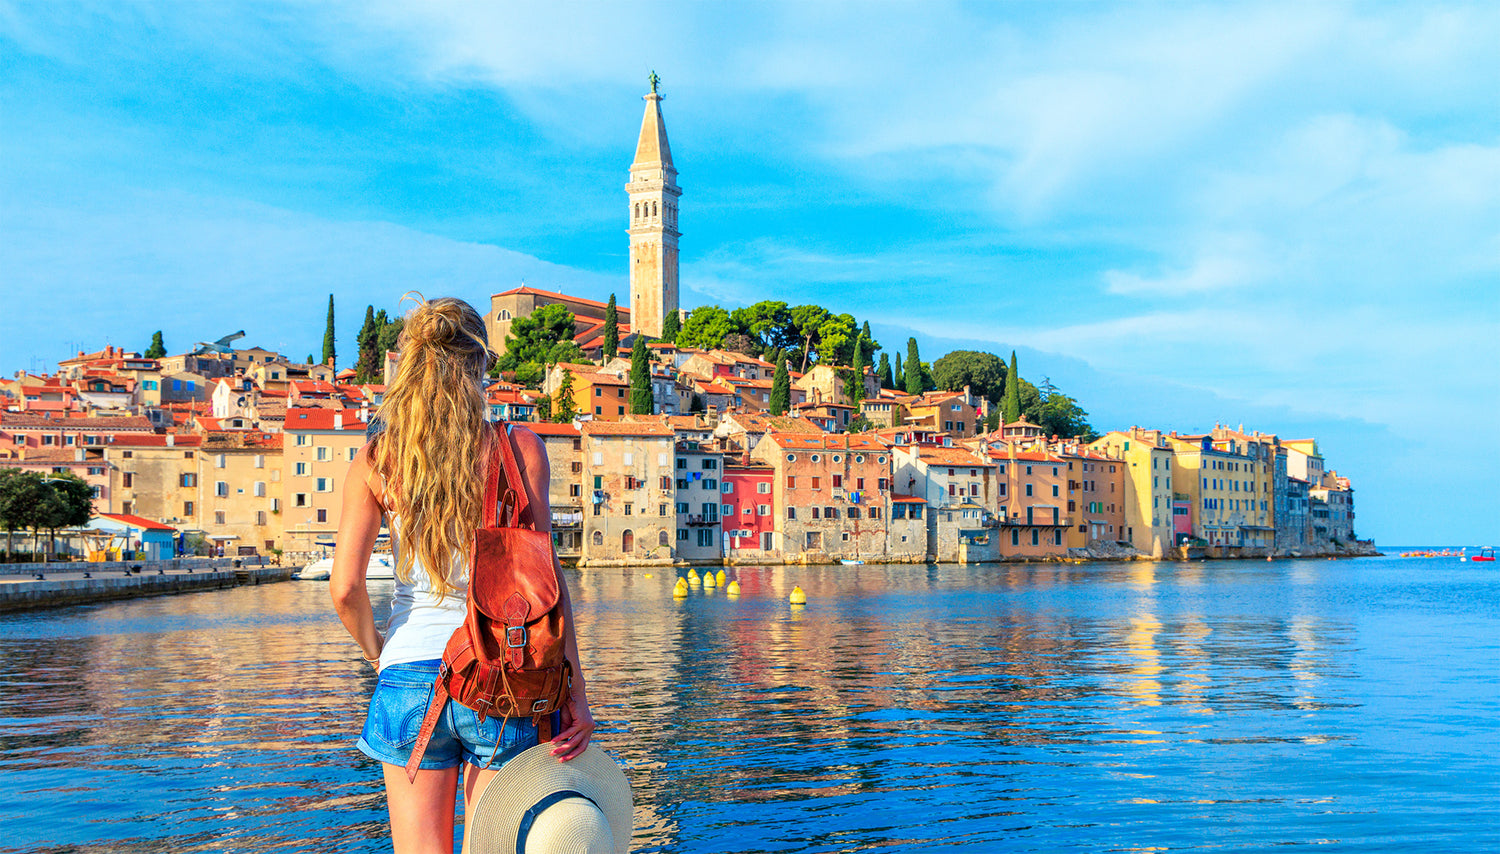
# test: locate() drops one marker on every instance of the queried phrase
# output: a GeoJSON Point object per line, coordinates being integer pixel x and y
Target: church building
{"type": "Point", "coordinates": [653, 193]}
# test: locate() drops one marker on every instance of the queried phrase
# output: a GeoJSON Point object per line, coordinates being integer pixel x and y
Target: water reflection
{"type": "Point", "coordinates": [903, 708]}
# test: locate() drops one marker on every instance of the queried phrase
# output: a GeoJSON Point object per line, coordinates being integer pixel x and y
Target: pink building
{"type": "Point", "coordinates": [749, 508]}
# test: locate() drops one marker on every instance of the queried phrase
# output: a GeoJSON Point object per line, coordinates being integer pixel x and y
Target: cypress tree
{"type": "Point", "coordinates": [781, 389]}
{"type": "Point", "coordinates": [611, 331]}
{"type": "Point", "coordinates": [854, 383]}
{"type": "Point", "coordinates": [330, 355]}
{"type": "Point", "coordinates": [884, 372]}
{"type": "Point", "coordinates": [640, 378]}
{"type": "Point", "coordinates": [670, 326]}
{"type": "Point", "coordinates": [898, 376]}
{"type": "Point", "coordinates": [367, 365]}
{"type": "Point", "coordinates": [157, 349]}
{"type": "Point", "coordinates": [1011, 409]}
{"type": "Point", "coordinates": [913, 368]}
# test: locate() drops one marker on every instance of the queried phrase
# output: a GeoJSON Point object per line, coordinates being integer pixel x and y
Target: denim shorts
{"type": "Point", "coordinates": [400, 702]}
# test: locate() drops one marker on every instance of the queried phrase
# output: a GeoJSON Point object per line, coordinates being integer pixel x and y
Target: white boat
{"type": "Point", "coordinates": [380, 566]}
{"type": "Point", "coordinates": [851, 562]}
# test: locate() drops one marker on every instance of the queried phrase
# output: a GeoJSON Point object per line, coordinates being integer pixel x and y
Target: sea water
{"type": "Point", "coordinates": [1204, 706]}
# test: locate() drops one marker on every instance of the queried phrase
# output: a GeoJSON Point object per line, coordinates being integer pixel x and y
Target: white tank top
{"type": "Point", "coordinates": [422, 622]}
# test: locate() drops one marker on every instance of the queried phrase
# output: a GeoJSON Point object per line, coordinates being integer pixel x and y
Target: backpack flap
{"type": "Point", "coordinates": [513, 562]}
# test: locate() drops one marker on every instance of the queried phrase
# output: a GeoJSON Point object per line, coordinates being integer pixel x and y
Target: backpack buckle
{"type": "Point", "coordinates": [539, 706]}
{"type": "Point", "coordinates": [515, 636]}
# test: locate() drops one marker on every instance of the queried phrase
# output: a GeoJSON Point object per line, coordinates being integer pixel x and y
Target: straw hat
{"type": "Point", "coordinates": [538, 805]}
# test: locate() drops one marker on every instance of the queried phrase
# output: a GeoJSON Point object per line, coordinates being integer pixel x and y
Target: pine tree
{"type": "Point", "coordinates": [367, 365]}
{"type": "Point", "coordinates": [671, 325]}
{"type": "Point", "coordinates": [1011, 410]}
{"type": "Point", "coordinates": [898, 376]}
{"type": "Point", "coordinates": [884, 372]}
{"type": "Point", "coordinates": [781, 389]}
{"type": "Point", "coordinates": [854, 381]}
{"type": "Point", "coordinates": [611, 331]}
{"type": "Point", "coordinates": [563, 408]}
{"type": "Point", "coordinates": [157, 349]}
{"type": "Point", "coordinates": [913, 368]}
{"type": "Point", "coordinates": [640, 378]}
{"type": "Point", "coordinates": [330, 354]}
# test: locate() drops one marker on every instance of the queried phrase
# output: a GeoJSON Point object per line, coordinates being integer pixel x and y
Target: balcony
{"type": "Point", "coordinates": [699, 521]}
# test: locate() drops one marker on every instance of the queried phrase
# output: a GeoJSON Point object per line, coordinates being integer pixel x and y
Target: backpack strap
{"type": "Point", "coordinates": [515, 499]}
{"type": "Point", "coordinates": [491, 471]}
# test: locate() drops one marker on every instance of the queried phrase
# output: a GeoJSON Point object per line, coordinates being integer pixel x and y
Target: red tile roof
{"type": "Point", "coordinates": [304, 418]}
{"type": "Point", "coordinates": [624, 428]}
{"type": "Point", "coordinates": [620, 310]}
{"type": "Point", "coordinates": [548, 428]}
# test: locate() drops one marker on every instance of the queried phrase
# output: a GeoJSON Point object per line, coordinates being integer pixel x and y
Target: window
{"type": "Point", "coordinates": [661, 510]}
{"type": "Point", "coordinates": [791, 481]}
{"type": "Point", "coordinates": [351, 453]}
{"type": "Point", "coordinates": [815, 513]}
{"type": "Point", "coordinates": [682, 462]}
{"type": "Point", "coordinates": [852, 513]}
{"type": "Point", "coordinates": [791, 513]}
{"type": "Point", "coordinates": [727, 509]}
{"type": "Point", "coordinates": [325, 484]}
{"type": "Point", "coordinates": [1054, 490]}
{"type": "Point", "coordinates": [629, 508]}
{"type": "Point", "coordinates": [682, 534]}
{"type": "Point", "coordinates": [627, 541]}
{"type": "Point", "coordinates": [663, 539]}
{"type": "Point", "coordinates": [189, 479]}
{"type": "Point", "coordinates": [763, 488]}
{"type": "Point", "coordinates": [598, 538]}
{"type": "Point", "coordinates": [762, 509]}
{"type": "Point", "coordinates": [598, 458]}
{"type": "Point", "coordinates": [218, 517]}
{"type": "Point", "coordinates": [711, 512]}
{"type": "Point", "coordinates": [628, 458]}
{"type": "Point", "coordinates": [705, 537]}
{"type": "Point", "coordinates": [710, 483]}
{"type": "Point", "coordinates": [303, 441]}
{"type": "Point", "coordinates": [874, 513]}
{"type": "Point", "coordinates": [728, 487]}
{"type": "Point", "coordinates": [598, 481]}
{"type": "Point", "coordinates": [748, 510]}
{"type": "Point", "coordinates": [1028, 490]}
{"type": "Point", "coordinates": [187, 508]}
{"type": "Point", "coordinates": [299, 500]}
{"type": "Point", "coordinates": [830, 512]}
{"type": "Point", "coordinates": [1015, 536]}
{"type": "Point", "coordinates": [710, 465]}
{"type": "Point", "coordinates": [301, 469]}
{"type": "Point", "coordinates": [127, 479]}
{"type": "Point", "coordinates": [817, 482]}
{"type": "Point", "coordinates": [1035, 537]}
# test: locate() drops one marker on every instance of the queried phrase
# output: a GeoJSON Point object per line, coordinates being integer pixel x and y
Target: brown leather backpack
{"type": "Point", "coordinates": [508, 658]}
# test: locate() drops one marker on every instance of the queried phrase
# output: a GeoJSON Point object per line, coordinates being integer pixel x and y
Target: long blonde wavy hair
{"type": "Point", "coordinates": [430, 451]}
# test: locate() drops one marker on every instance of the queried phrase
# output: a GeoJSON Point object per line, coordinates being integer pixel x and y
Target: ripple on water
{"type": "Point", "coordinates": [1224, 706]}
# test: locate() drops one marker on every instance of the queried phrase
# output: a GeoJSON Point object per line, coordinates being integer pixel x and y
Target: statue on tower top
{"type": "Point", "coordinates": [654, 80]}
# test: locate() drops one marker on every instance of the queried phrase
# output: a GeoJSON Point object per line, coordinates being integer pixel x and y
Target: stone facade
{"type": "Point", "coordinates": [834, 494]}
{"type": "Point", "coordinates": [629, 491]}
{"type": "Point", "coordinates": [240, 479]}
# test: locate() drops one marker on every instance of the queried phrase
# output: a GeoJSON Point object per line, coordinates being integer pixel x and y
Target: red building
{"type": "Point", "coordinates": [748, 513]}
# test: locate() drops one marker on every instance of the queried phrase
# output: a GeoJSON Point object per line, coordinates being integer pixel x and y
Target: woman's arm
{"type": "Point", "coordinates": [359, 524]}
{"type": "Point", "coordinates": [578, 723]}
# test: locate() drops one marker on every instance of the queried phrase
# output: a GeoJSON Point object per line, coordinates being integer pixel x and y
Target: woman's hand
{"type": "Point", "coordinates": [578, 725]}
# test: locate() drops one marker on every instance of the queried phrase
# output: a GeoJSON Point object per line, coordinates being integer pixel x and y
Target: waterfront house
{"type": "Point", "coordinates": [628, 470]}
{"type": "Point", "coordinates": [1146, 486]}
{"type": "Point", "coordinates": [318, 446]}
{"type": "Point", "coordinates": [833, 491]}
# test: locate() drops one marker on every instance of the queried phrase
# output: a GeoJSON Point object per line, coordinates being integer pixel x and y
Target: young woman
{"type": "Point", "coordinates": [422, 475]}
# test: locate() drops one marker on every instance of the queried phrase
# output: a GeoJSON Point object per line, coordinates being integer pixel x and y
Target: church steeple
{"type": "Point", "coordinates": [653, 231]}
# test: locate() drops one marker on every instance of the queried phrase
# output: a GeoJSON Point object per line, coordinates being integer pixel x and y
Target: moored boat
{"type": "Point", "coordinates": [1486, 554]}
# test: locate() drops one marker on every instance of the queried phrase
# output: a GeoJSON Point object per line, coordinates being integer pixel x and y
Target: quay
{"type": "Point", "coordinates": [80, 583]}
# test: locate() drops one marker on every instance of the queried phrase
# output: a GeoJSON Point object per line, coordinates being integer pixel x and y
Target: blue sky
{"type": "Point", "coordinates": [1282, 215]}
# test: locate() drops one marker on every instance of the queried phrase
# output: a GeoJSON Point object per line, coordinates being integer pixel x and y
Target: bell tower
{"type": "Point", "coordinates": [653, 231]}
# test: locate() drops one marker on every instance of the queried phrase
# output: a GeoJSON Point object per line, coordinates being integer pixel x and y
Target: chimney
{"type": "Point", "coordinates": [364, 413]}
{"type": "Point", "coordinates": [171, 440]}
{"type": "Point", "coordinates": [77, 455]}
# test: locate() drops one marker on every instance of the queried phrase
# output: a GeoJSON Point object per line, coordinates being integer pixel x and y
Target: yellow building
{"type": "Point", "coordinates": [156, 477]}
{"type": "Point", "coordinates": [1219, 477]}
{"type": "Point", "coordinates": [240, 475]}
{"type": "Point", "coordinates": [317, 448]}
{"type": "Point", "coordinates": [1147, 459]}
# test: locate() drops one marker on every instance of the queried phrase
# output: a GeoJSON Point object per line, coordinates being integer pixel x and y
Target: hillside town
{"type": "Point", "coordinates": [245, 451]}
{"type": "Point", "coordinates": [763, 435]}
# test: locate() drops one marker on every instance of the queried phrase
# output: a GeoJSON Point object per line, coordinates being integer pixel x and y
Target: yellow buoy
{"type": "Point", "coordinates": [733, 589]}
{"type": "Point", "coordinates": [648, 575]}
{"type": "Point", "coordinates": [692, 577]}
{"type": "Point", "coordinates": [798, 597]}
{"type": "Point", "coordinates": [708, 580]}
{"type": "Point", "coordinates": [721, 577]}
{"type": "Point", "coordinates": [680, 591]}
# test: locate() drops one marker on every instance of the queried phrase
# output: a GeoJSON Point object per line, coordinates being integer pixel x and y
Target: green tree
{"type": "Point", "coordinates": [768, 323]}
{"type": "Point", "coordinates": [309, 359]}
{"type": "Point", "coordinates": [695, 404]}
{"type": "Point", "coordinates": [898, 376]}
{"type": "Point", "coordinates": [670, 326]}
{"type": "Point", "coordinates": [983, 373]}
{"type": "Point", "coordinates": [913, 368]}
{"type": "Point", "coordinates": [854, 381]}
{"type": "Point", "coordinates": [611, 331]}
{"type": "Point", "coordinates": [807, 324]}
{"type": "Point", "coordinates": [884, 371]}
{"type": "Point", "coordinates": [705, 328]}
{"type": "Point", "coordinates": [563, 407]}
{"type": "Point", "coordinates": [367, 364]}
{"type": "Point", "coordinates": [640, 378]}
{"type": "Point", "coordinates": [1059, 414]}
{"type": "Point", "coordinates": [29, 500]}
{"type": "Point", "coordinates": [992, 421]}
{"type": "Point", "coordinates": [1011, 410]}
{"type": "Point", "coordinates": [386, 338]}
{"type": "Point", "coordinates": [781, 389]}
{"type": "Point", "coordinates": [542, 337]}
{"type": "Point", "coordinates": [330, 354]}
{"type": "Point", "coordinates": [158, 348]}
{"type": "Point", "coordinates": [544, 408]}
